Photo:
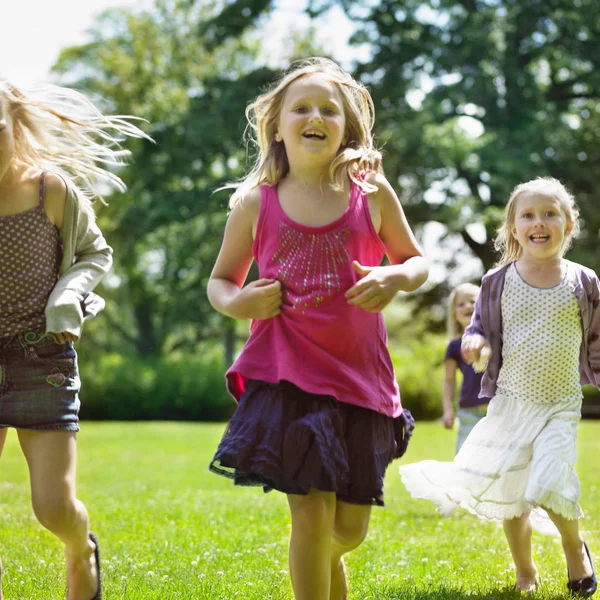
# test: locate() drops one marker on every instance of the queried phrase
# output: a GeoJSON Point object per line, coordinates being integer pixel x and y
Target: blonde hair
{"type": "Point", "coordinates": [506, 243]}
{"type": "Point", "coordinates": [271, 165]}
{"type": "Point", "coordinates": [58, 129]}
{"type": "Point", "coordinates": [455, 329]}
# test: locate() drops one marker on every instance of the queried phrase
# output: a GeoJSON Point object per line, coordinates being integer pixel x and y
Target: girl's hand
{"type": "Point", "coordinates": [64, 337]}
{"type": "Point", "coordinates": [374, 291]}
{"type": "Point", "coordinates": [476, 351]}
{"type": "Point", "coordinates": [448, 419]}
{"type": "Point", "coordinates": [260, 299]}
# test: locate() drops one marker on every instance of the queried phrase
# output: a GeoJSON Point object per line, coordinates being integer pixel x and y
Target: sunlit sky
{"type": "Point", "coordinates": [33, 32]}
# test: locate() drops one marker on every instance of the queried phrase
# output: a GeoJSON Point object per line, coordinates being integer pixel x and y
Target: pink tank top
{"type": "Point", "coordinates": [319, 342]}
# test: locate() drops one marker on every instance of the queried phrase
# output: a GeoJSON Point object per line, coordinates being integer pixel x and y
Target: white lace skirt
{"type": "Point", "coordinates": [519, 458]}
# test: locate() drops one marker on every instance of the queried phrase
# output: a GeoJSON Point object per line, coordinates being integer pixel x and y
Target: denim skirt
{"type": "Point", "coordinates": [281, 437]}
{"type": "Point", "coordinates": [39, 383]}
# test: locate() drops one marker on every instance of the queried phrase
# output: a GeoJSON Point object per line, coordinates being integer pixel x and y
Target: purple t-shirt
{"type": "Point", "coordinates": [469, 391]}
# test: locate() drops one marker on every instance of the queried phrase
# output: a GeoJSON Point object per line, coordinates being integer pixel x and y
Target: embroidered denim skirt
{"type": "Point", "coordinates": [39, 383]}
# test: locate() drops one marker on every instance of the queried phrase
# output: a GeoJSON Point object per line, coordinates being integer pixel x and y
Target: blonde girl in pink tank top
{"type": "Point", "coordinates": [319, 415]}
{"type": "Point", "coordinates": [52, 255]}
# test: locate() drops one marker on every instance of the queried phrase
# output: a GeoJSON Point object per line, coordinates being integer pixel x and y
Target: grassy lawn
{"type": "Point", "coordinates": [170, 529]}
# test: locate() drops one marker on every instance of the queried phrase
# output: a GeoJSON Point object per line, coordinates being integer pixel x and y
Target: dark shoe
{"type": "Point", "coordinates": [587, 586]}
{"type": "Point", "coordinates": [94, 539]}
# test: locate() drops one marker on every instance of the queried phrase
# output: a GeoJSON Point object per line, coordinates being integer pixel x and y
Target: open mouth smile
{"type": "Point", "coordinates": [314, 134]}
{"type": "Point", "coordinates": [539, 238]}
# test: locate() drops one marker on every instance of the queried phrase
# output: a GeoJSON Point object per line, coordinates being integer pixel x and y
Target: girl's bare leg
{"type": "Point", "coordinates": [2, 440]}
{"type": "Point", "coordinates": [51, 456]}
{"type": "Point", "coordinates": [349, 530]}
{"type": "Point", "coordinates": [310, 544]}
{"type": "Point", "coordinates": [518, 534]}
{"type": "Point", "coordinates": [578, 563]}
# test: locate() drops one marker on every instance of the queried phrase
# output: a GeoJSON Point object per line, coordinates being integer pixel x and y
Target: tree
{"type": "Point", "coordinates": [474, 97]}
{"type": "Point", "coordinates": [189, 68]}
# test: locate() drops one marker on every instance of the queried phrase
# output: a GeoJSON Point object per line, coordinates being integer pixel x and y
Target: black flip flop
{"type": "Point", "coordinates": [94, 539]}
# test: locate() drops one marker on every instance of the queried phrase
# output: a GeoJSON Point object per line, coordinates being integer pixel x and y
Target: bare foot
{"type": "Point", "coordinates": [82, 575]}
{"type": "Point", "coordinates": [339, 586]}
{"type": "Point", "coordinates": [527, 583]}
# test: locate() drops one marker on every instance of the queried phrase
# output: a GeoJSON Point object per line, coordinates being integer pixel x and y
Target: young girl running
{"type": "Point", "coordinates": [52, 255]}
{"type": "Point", "coordinates": [319, 415]}
{"type": "Point", "coordinates": [537, 320]}
{"type": "Point", "coordinates": [471, 408]}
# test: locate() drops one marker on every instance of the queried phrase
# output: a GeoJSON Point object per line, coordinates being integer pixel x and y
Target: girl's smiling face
{"type": "Point", "coordinates": [540, 226]}
{"type": "Point", "coordinates": [312, 120]}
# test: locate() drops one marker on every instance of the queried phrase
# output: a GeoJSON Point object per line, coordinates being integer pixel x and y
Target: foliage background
{"type": "Point", "coordinates": [472, 97]}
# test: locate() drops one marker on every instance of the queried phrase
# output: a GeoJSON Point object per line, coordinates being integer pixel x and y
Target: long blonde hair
{"type": "Point", "coordinates": [271, 165]}
{"type": "Point", "coordinates": [455, 329]}
{"type": "Point", "coordinates": [505, 242]}
{"type": "Point", "coordinates": [59, 129]}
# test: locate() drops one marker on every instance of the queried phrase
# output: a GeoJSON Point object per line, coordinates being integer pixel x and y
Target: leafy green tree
{"type": "Point", "coordinates": [166, 229]}
{"type": "Point", "coordinates": [189, 69]}
{"type": "Point", "coordinates": [474, 97]}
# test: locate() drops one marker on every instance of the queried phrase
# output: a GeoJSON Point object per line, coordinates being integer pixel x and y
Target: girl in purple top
{"type": "Point", "coordinates": [471, 408]}
{"type": "Point", "coordinates": [319, 415]}
{"type": "Point", "coordinates": [52, 255]}
{"type": "Point", "coordinates": [535, 331]}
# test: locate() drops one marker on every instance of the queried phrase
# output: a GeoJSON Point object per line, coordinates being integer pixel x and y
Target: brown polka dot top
{"type": "Point", "coordinates": [30, 255]}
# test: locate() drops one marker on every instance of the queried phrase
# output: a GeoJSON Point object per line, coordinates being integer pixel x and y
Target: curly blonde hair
{"type": "Point", "coordinates": [358, 154]}
{"type": "Point", "coordinates": [505, 242]}
{"type": "Point", "coordinates": [59, 129]}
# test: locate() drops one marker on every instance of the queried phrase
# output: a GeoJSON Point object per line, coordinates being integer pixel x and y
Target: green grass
{"type": "Point", "coordinates": [171, 530]}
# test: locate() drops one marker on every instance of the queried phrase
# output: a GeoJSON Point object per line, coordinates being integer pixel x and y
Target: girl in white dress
{"type": "Point", "coordinates": [535, 332]}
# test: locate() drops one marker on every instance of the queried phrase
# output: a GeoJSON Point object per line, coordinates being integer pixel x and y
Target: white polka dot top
{"type": "Point", "coordinates": [541, 330]}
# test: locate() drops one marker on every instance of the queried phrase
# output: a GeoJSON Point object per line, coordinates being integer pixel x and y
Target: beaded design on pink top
{"type": "Point", "coordinates": [312, 259]}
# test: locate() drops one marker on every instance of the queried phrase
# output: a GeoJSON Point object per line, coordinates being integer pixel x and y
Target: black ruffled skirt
{"type": "Point", "coordinates": [283, 438]}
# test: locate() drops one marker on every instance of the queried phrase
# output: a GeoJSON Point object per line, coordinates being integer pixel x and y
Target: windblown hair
{"type": "Point", "coordinates": [59, 129]}
{"type": "Point", "coordinates": [505, 242]}
{"type": "Point", "coordinates": [455, 329]}
{"type": "Point", "coordinates": [271, 165]}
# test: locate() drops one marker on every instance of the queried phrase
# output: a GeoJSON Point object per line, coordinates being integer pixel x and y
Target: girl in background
{"type": "Point", "coordinates": [471, 408]}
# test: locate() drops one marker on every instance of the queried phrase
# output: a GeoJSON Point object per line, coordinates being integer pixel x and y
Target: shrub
{"type": "Point", "coordinates": [420, 373]}
{"type": "Point", "coordinates": [121, 387]}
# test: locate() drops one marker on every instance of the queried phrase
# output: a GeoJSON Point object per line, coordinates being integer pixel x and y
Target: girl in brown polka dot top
{"type": "Point", "coordinates": [52, 255]}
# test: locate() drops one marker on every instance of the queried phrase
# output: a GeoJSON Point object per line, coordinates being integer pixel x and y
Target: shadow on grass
{"type": "Point", "coordinates": [447, 593]}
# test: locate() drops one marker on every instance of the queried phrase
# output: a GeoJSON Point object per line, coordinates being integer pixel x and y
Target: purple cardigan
{"type": "Point", "coordinates": [487, 321]}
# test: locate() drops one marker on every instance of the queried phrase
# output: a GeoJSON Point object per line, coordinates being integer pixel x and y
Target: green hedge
{"type": "Point", "coordinates": [120, 387]}
{"type": "Point", "coordinates": [420, 373]}
{"type": "Point", "coordinates": [123, 387]}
